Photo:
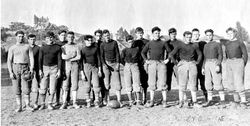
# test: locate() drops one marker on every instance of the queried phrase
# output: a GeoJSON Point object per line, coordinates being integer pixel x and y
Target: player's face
{"type": "Point", "coordinates": [89, 42]}
{"type": "Point", "coordinates": [209, 36]}
{"type": "Point", "coordinates": [139, 35]}
{"type": "Point", "coordinates": [231, 35]}
{"type": "Point", "coordinates": [32, 41]}
{"type": "Point", "coordinates": [70, 38]}
{"type": "Point", "coordinates": [129, 43]}
{"type": "Point", "coordinates": [188, 38]}
{"type": "Point", "coordinates": [62, 36]}
{"type": "Point", "coordinates": [98, 36]}
{"type": "Point", "coordinates": [156, 35]}
{"type": "Point", "coordinates": [20, 38]}
{"type": "Point", "coordinates": [172, 35]}
{"type": "Point", "coordinates": [49, 39]}
{"type": "Point", "coordinates": [106, 37]}
{"type": "Point", "coordinates": [195, 35]}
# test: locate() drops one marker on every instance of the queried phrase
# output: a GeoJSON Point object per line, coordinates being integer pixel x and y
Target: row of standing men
{"type": "Point", "coordinates": [148, 65]}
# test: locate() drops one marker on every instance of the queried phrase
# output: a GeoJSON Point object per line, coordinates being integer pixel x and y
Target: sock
{"type": "Point", "coordinates": [236, 97]}
{"type": "Point", "coordinates": [36, 97]}
{"type": "Point", "coordinates": [164, 95]}
{"type": "Point", "coordinates": [222, 95]}
{"type": "Point", "coordinates": [181, 96]}
{"type": "Point", "coordinates": [209, 95]}
{"type": "Point", "coordinates": [243, 97]}
{"type": "Point", "coordinates": [137, 96]}
{"type": "Point", "coordinates": [194, 96]}
{"type": "Point", "coordinates": [42, 96]}
{"type": "Point", "coordinates": [19, 100]}
{"type": "Point", "coordinates": [27, 100]}
{"type": "Point", "coordinates": [65, 95]}
{"type": "Point", "coordinates": [130, 96]}
{"type": "Point", "coordinates": [152, 93]}
{"type": "Point", "coordinates": [97, 96]}
{"type": "Point", "coordinates": [74, 96]}
{"type": "Point", "coordinates": [118, 94]}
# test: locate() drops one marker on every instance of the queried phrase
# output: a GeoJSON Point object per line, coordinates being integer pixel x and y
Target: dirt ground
{"type": "Point", "coordinates": [134, 116]}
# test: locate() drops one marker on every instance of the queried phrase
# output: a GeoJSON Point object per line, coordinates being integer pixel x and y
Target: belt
{"type": "Point", "coordinates": [234, 58]}
{"type": "Point", "coordinates": [21, 63]}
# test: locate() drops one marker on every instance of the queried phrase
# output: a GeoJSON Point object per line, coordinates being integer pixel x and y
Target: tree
{"type": "Point", "coordinates": [63, 27]}
{"type": "Point", "coordinates": [132, 32]}
{"type": "Point", "coordinates": [242, 34]}
{"type": "Point", "coordinates": [121, 34]}
{"type": "Point", "coordinates": [14, 26]}
{"type": "Point", "coordinates": [4, 34]}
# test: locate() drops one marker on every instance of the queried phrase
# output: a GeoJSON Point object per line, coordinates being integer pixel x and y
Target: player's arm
{"type": "Point", "coordinates": [123, 57]}
{"type": "Point", "coordinates": [31, 58]}
{"type": "Point", "coordinates": [244, 52]}
{"type": "Point", "coordinates": [10, 60]}
{"type": "Point", "coordinates": [117, 53]}
{"type": "Point", "coordinates": [220, 54]}
{"type": "Point", "coordinates": [64, 55]}
{"type": "Point", "coordinates": [198, 51]}
{"type": "Point", "coordinates": [173, 53]}
{"type": "Point", "coordinates": [78, 55]}
{"type": "Point", "coordinates": [144, 52]}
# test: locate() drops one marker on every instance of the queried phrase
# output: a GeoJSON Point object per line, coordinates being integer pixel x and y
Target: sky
{"type": "Point", "coordinates": [85, 16]}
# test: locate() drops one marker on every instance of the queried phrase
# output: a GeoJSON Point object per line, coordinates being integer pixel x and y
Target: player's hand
{"type": "Point", "coordinates": [203, 71]}
{"type": "Point", "coordinates": [83, 76]}
{"type": "Point", "coordinates": [58, 74]}
{"type": "Point", "coordinates": [12, 76]}
{"type": "Point", "coordinates": [217, 69]}
{"type": "Point", "coordinates": [32, 73]}
{"type": "Point", "coordinates": [145, 67]}
{"type": "Point", "coordinates": [41, 74]}
{"type": "Point", "coordinates": [117, 67]}
{"type": "Point", "coordinates": [147, 62]}
{"type": "Point", "coordinates": [166, 61]}
{"type": "Point", "coordinates": [99, 73]}
{"type": "Point", "coordinates": [73, 54]}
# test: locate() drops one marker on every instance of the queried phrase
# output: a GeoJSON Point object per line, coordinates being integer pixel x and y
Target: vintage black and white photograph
{"type": "Point", "coordinates": [125, 62]}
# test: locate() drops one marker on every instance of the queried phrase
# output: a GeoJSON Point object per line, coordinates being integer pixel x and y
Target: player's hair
{"type": "Point", "coordinates": [231, 29]}
{"type": "Point", "coordinates": [195, 29]}
{"type": "Point", "coordinates": [139, 29]}
{"type": "Point", "coordinates": [209, 30]}
{"type": "Point", "coordinates": [71, 33]}
{"type": "Point", "coordinates": [87, 37]}
{"type": "Point", "coordinates": [187, 33]}
{"type": "Point", "coordinates": [62, 31]}
{"type": "Point", "coordinates": [105, 31]}
{"type": "Point", "coordinates": [172, 30]}
{"type": "Point", "coordinates": [19, 32]}
{"type": "Point", "coordinates": [98, 31]}
{"type": "Point", "coordinates": [31, 36]}
{"type": "Point", "coordinates": [129, 37]}
{"type": "Point", "coordinates": [50, 34]}
{"type": "Point", "coordinates": [156, 28]}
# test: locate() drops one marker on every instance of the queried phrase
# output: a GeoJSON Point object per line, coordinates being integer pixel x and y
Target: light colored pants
{"type": "Point", "coordinates": [49, 79]}
{"type": "Point", "coordinates": [19, 84]}
{"type": "Point", "coordinates": [235, 73]}
{"type": "Point", "coordinates": [132, 77]}
{"type": "Point", "coordinates": [111, 73]}
{"type": "Point", "coordinates": [187, 75]}
{"type": "Point", "coordinates": [157, 75]}
{"type": "Point", "coordinates": [72, 74]}
{"type": "Point", "coordinates": [35, 82]}
{"type": "Point", "coordinates": [91, 73]}
{"type": "Point", "coordinates": [213, 79]}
